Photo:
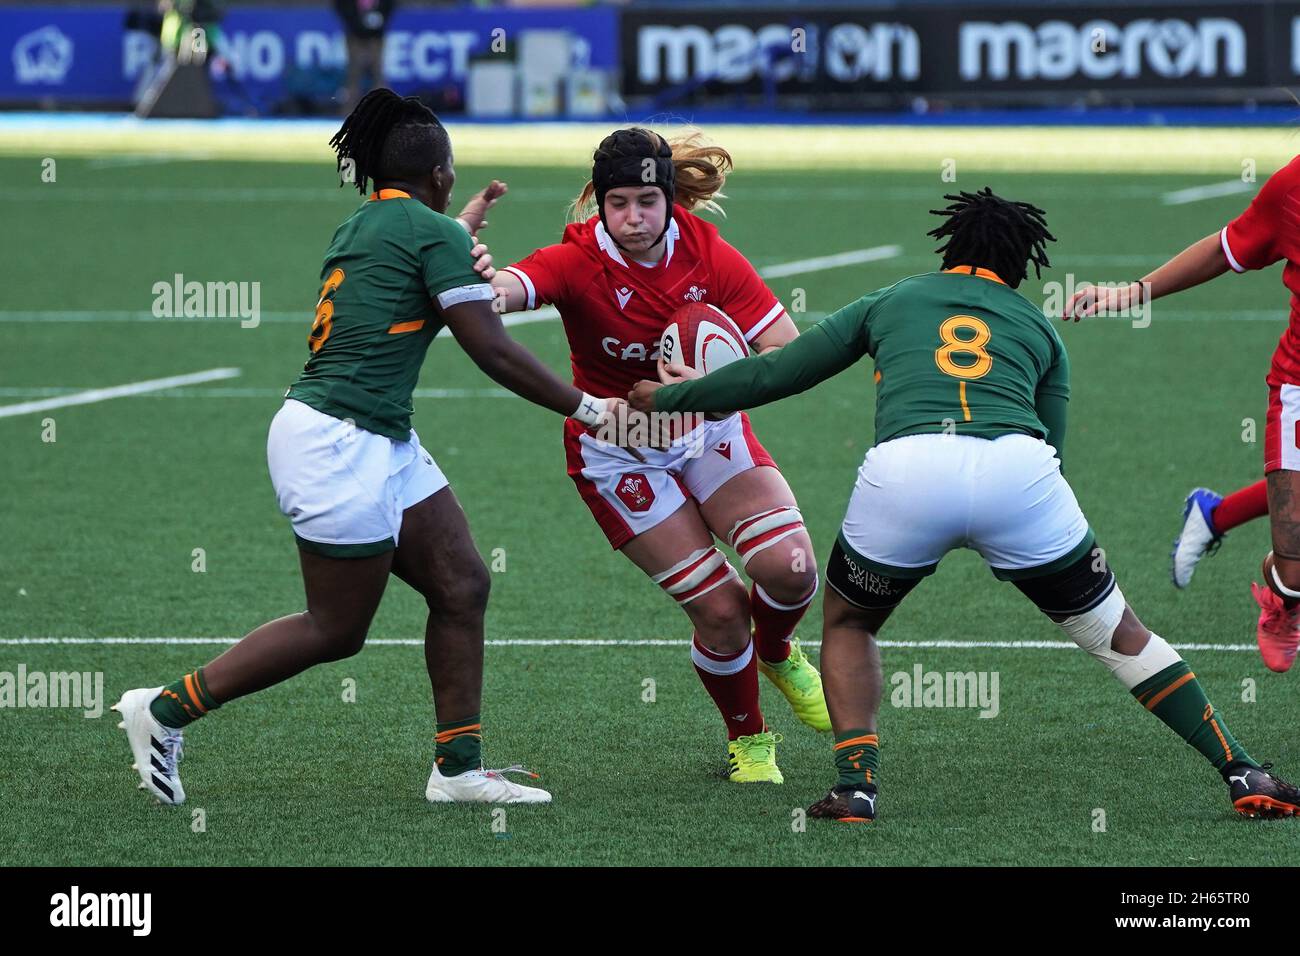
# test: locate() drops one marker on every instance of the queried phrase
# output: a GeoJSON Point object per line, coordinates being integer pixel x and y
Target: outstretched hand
{"type": "Point", "coordinates": [1089, 300]}
{"type": "Point", "coordinates": [474, 216]}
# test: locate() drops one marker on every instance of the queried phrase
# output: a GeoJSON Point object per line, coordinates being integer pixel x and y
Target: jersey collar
{"type": "Point", "coordinates": [976, 271]}
{"type": "Point", "coordinates": [389, 194]}
{"type": "Point", "coordinates": [611, 249]}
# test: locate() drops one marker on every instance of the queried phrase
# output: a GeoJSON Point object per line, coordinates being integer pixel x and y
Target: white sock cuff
{"type": "Point", "coordinates": [721, 668]}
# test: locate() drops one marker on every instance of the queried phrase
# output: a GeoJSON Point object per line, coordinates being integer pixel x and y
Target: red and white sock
{"type": "Point", "coordinates": [1245, 504]}
{"type": "Point", "coordinates": [732, 682]}
{"type": "Point", "coordinates": [774, 622]}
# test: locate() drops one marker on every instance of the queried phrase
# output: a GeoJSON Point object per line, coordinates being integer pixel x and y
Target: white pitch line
{"type": "Point", "coordinates": [218, 194]}
{"type": "Point", "coordinates": [159, 159]}
{"type": "Point", "coordinates": [594, 642]}
{"type": "Point", "coordinates": [1181, 197]}
{"type": "Point", "coordinates": [546, 314]}
{"type": "Point", "coordinates": [543, 314]}
{"type": "Point", "coordinates": [117, 391]}
{"type": "Point", "coordinates": [46, 391]}
{"type": "Point", "coordinates": [819, 263]}
{"type": "Point", "coordinates": [129, 315]}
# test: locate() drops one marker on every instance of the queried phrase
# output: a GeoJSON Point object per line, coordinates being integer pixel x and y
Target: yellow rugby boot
{"type": "Point", "coordinates": [752, 759]}
{"type": "Point", "coordinates": [801, 684]}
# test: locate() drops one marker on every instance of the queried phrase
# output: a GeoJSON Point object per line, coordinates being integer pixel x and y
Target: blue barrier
{"type": "Point", "coordinates": [86, 55]}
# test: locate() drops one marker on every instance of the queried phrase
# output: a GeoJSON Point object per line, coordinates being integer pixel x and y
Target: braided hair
{"type": "Point", "coordinates": [390, 137]}
{"type": "Point", "coordinates": [983, 229]}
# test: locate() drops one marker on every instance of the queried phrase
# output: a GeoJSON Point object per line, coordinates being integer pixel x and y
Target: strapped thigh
{"type": "Point", "coordinates": [760, 531]}
{"type": "Point", "coordinates": [696, 575]}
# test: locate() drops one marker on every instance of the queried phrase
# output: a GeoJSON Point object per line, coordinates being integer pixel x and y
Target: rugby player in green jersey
{"type": "Point", "coordinates": [972, 382]}
{"type": "Point", "coordinates": [365, 499]}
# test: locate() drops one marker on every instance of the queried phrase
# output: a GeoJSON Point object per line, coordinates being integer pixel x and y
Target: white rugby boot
{"type": "Point", "coordinates": [482, 786]}
{"type": "Point", "coordinates": [157, 749]}
{"type": "Point", "coordinates": [1198, 538]}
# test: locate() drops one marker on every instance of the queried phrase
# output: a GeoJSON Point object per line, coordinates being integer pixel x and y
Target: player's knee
{"type": "Point", "coordinates": [721, 618]}
{"type": "Point", "coordinates": [1113, 636]}
{"type": "Point", "coordinates": [463, 595]}
{"type": "Point", "coordinates": [336, 640]}
{"type": "Point", "coordinates": [788, 573]}
{"type": "Point", "coordinates": [1130, 636]}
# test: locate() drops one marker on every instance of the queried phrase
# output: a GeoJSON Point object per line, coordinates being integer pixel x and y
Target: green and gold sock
{"type": "Point", "coordinates": [459, 746]}
{"type": "Point", "coordinates": [857, 755]}
{"type": "Point", "coordinates": [1176, 697]}
{"type": "Point", "coordinates": [183, 702]}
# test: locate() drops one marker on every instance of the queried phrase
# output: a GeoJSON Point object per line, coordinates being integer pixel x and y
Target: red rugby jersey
{"type": "Point", "coordinates": [615, 309]}
{"type": "Point", "coordinates": [1268, 232]}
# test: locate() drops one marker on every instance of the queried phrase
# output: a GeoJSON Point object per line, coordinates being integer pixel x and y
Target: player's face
{"type": "Point", "coordinates": [635, 216]}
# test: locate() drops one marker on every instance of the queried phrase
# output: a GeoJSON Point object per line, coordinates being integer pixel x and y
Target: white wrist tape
{"type": "Point", "coordinates": [589, 411]}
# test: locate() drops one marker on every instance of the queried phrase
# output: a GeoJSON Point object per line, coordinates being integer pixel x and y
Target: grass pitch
{"type": "Point", "coordinates": [100, 528]}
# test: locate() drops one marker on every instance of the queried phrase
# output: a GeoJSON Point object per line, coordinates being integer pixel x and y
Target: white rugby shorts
{"type": "Point", "coordinates": [345, 488]}
{"type": "Point", "coordinates": [918, 497]}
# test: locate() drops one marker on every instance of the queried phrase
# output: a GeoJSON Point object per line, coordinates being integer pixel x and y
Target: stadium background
{"type": "Point", "coordinates": [840, 147]}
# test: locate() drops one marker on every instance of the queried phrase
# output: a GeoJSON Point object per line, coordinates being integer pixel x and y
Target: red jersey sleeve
{"type": "Point", "coordinates": [1253, 239]}
{"type": "Point", "coordinates": [547, 274]}
{"type": "Point", "coordinates": [742, 294]}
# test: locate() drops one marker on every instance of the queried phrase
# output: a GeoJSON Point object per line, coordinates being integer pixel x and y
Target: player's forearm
{"type": "Point", "coordinates": [1051, 410]}
{"type": "Point", "coordinates": [478, 330]}
{"type": "Point", "coordinates": [511, 296]}
{"type": "Point", "coordinates": [512, 366]}
{"type": "Point", "coordinates": [1199, 262]}
{"type": "Point", "coordinates": [760, 379]}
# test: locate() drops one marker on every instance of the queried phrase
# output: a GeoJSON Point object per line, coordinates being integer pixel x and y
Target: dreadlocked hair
{"type": "Point", "coordinates": [701, 170]}
{"type": "Point", "coordinates": [983, 229]}
{"type": "Point", "coordinates": [389, 137]}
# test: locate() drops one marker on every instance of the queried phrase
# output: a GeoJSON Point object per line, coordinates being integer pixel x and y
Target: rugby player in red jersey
{"type": "Point", "coordinates": [616, 278]}
{"type": "Point", "coordinates": [365, 498]}
{"type": "Point", "coordinates": [1267, 232]}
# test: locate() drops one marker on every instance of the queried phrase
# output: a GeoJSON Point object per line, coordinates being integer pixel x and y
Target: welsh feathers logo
{"type": "Point", "coordinates": [696, 294]}
{"type": "Point", "coordinates": [43, 56]}
{"type": "Point", "coordinates": [635, 492]}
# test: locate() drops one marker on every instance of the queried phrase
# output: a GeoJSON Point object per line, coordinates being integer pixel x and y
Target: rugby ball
{"type": "Point", "coordinates": [703, 337]}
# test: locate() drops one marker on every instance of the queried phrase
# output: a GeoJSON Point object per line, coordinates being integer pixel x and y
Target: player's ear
{"type": "Point", "coordinates": [440, 187]}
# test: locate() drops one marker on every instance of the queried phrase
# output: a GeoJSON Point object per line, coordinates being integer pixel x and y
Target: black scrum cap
{"type": "Point", "coordinates": [633, 157]}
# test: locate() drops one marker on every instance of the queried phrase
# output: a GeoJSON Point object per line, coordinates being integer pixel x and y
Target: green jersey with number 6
{"type": "Point", "coordinates": [387, 264]}
{"type": "Point", "coordinates": [957, 351]}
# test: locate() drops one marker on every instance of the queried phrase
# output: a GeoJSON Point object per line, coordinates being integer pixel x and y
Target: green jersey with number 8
{"type": "Point", "coordinates": [956, 352]}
